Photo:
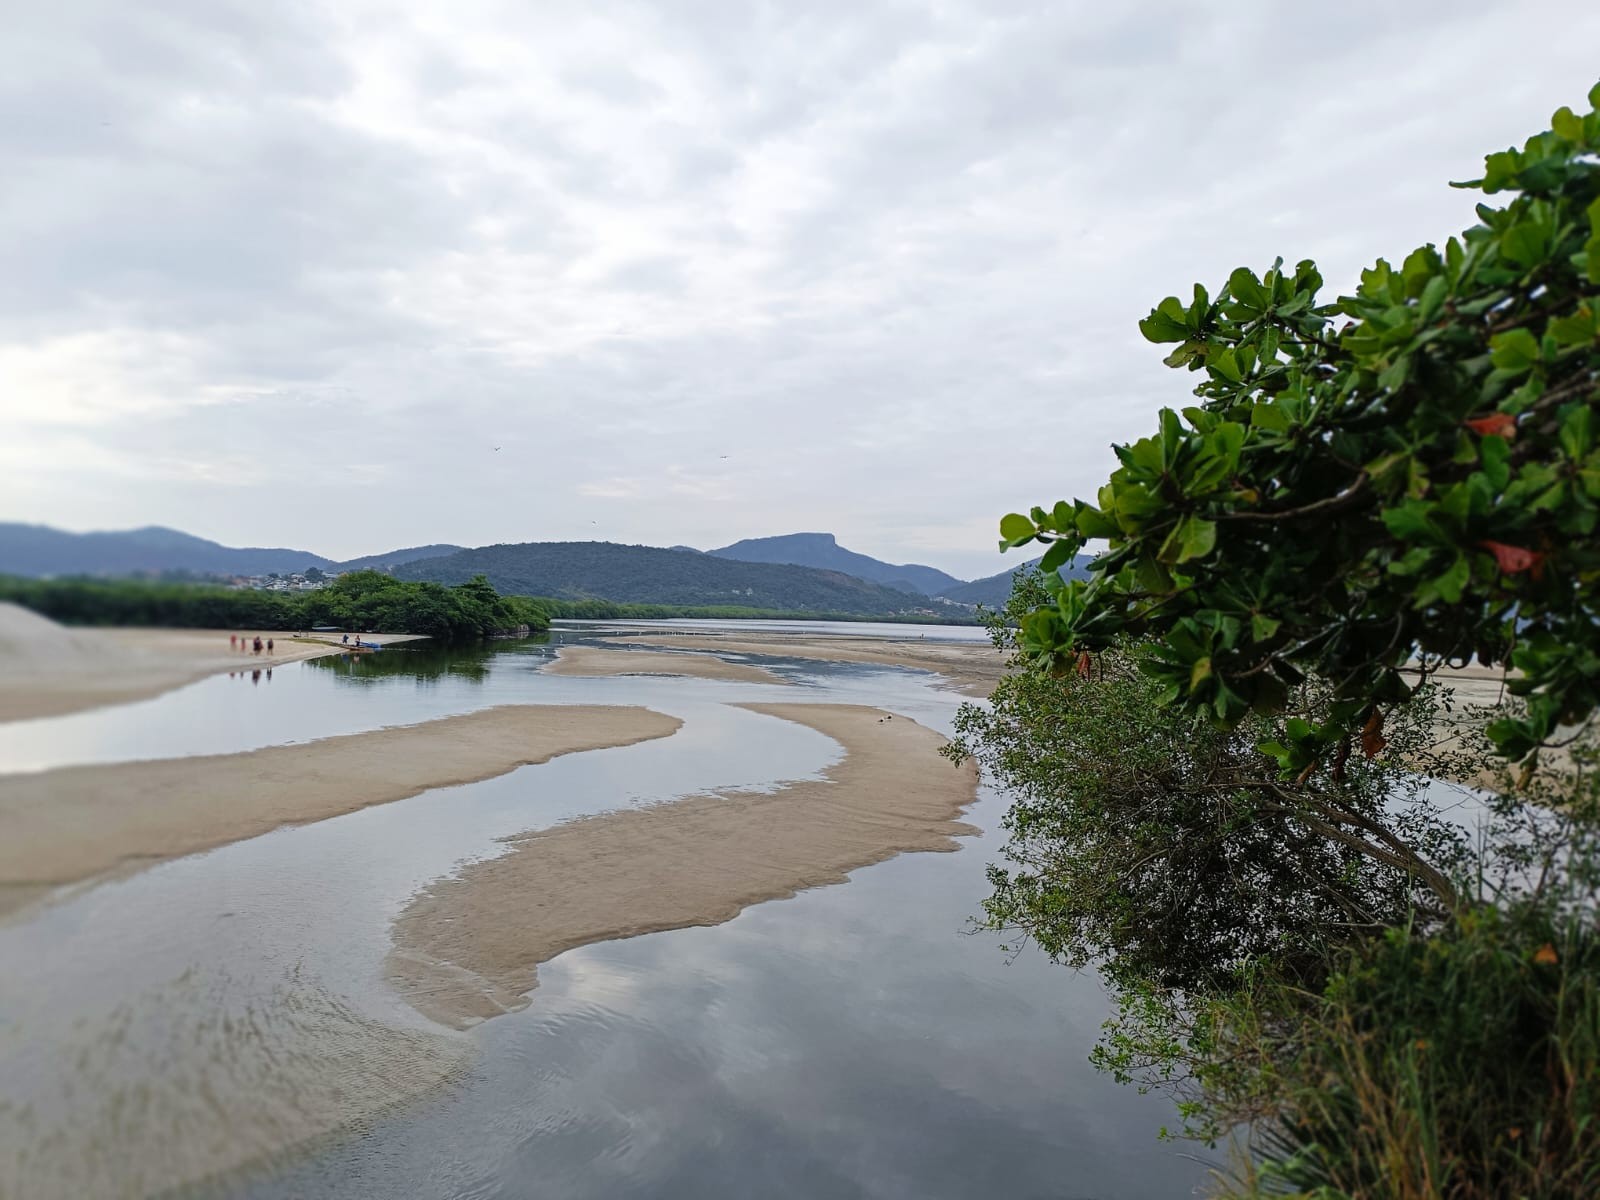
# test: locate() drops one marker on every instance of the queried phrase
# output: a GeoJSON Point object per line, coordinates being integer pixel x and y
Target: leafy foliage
{"type": "Point", "coordinates": [1423, 477]}
{"type": "Point", "coordinates": [357, 600]}
{"type": "Point", "coordinates": [1168, 852]}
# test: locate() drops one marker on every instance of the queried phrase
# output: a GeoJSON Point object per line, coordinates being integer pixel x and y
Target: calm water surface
{"type": "Point", "coordinates": [852, 1041]}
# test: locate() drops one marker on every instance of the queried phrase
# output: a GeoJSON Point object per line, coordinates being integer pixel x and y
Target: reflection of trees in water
{"type": "Point", "coordinates": [426, 662]}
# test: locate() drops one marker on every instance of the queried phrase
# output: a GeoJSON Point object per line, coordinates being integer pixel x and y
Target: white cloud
{"type": "Point", "coordinates": [886, 256]}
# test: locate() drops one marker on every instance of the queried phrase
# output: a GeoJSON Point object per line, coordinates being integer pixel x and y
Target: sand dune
{"type": "Point", "coordinates": [468, 947]}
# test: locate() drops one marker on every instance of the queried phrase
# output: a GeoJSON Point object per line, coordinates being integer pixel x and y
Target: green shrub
{"type": "Point", "coordinates": [1463, 1065]}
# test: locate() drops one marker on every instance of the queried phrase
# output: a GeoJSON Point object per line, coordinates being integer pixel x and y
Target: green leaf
{"type": "Point", "coordinates": [1494, 453]}
{"type": "Point", "coordinates": [1577, 433]}
{"type": "Point", "coordinates": [1433, 297]}
{"type": "Point", "coordinates": [1226, 364]}
{"type": "Point", "coordinates": [1059, 553]}
{"type": "Point", "coordinates": [1165, 322]}
{"type": "Point", "coordinates": [1576, 329]}
{"type": "Point", "coordinates": [1196, 539]}
{"type": "Point", "coordinates": [1016, 528]}
{"type": "Point", "coordinates": [1262, 627]}
{"type": "Point", "coordinates": [1092, 522]}
{"type": "Point", "coordinates": [1270, 417]}
{"type": "Point", "coordinates": [1514, 350]}
{"type": "Point", "coordinates": [1243, 285]}
{"type": "Point", "coordinates": [1567, 124]}
{"type": "Point", "coordinates": [1450, 584]}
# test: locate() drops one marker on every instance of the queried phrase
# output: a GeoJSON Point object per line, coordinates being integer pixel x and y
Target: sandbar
{"type": "Point", "coordinates": [467, 947]}
{"type": "Point", "coordinates": [77, 823]}
{"type": "Point", "coordinates": [972, 667]}
{"type": "Point", "coordinates": [49, 670]}
{"type": "Point", "coordinates": [602, 661]}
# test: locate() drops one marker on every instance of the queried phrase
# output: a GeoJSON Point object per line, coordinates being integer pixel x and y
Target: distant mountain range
{"type": "Point", "coordinates": [797, 571]}
{"type": "Point", "coordinates": [993, 591]}
{"type": "Point", "coordinates": [650, 575]}
{"type": "Point", "coordinates": [41, 550]}
{"type": "Point", "coordinates": [821, 550]}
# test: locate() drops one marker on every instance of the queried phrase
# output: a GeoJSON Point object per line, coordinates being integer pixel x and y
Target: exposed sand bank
{"type": "Point", "coordinates": [467, 948]}
{"type": "Point", "coordinates": [974, 668]}
{"type": "Point", "coordinates": [600, 661]}
{"type": "Point", "coordinates": [77, 823]}
{"type": "Point", "coordinates": [48, 670]}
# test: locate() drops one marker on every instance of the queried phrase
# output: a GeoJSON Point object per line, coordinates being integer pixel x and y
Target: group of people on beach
{"type": "Point", "coordinates": [237, 641]}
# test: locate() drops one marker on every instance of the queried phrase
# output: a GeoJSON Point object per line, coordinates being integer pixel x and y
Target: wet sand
{"type": "Point", "coordinates": [599, 661]}
{"type": "Point", "coordinates": [49, 670]}
{"type": "Point", "coordinates": [220, 1090]}
{"type": "Point", "coordinates": [974, 668]}
{"type": "Point", "coordinates": [467, 948]}
{"type": "Point", "coordinates": [74, 824]}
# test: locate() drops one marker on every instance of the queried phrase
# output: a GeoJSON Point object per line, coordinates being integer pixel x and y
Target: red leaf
{"type": "Point", "coordinates": [1546, 955]}
{"type": "Point", "coordinates": [1513, 559]}
{"type": "Point", "coordinates": [1494, 425]}
{"type": "Point", "coordinates": [1372, 739]}
{"type": "Point", "coordinates": [1083, 664]}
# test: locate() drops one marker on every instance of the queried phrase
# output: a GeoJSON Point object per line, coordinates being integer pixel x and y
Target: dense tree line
{"type": "Point", "coordinates": [365, 600]}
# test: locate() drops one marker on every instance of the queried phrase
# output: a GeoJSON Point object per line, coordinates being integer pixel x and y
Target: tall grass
{"type": "Point", "coordinates": [1462, 1066]}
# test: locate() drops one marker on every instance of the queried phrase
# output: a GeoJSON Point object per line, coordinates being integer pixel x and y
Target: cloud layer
{"type": "Point", "coordinates": [290, 273]}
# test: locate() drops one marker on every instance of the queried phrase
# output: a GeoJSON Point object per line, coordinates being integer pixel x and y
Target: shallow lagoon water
{"type": "Point", "coordinates": [852, 1041]}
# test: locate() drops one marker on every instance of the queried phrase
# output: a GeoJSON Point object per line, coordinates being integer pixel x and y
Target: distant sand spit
{"type": "Point", "coordinates": [48, 670]}
{"type": "Point", "coordinates": [77, 823]}
{"type": "Point", "coordinates": [600, 661]}
{"type": "Point", "coordinates": [467, 948]}
{"type": "Point", "coordinates": [973, 667]}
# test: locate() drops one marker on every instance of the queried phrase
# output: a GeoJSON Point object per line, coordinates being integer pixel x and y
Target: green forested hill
{"type": "Point", "coordinates": [822, 551]}
{"type": "Point", "coordinates": [648, 575]}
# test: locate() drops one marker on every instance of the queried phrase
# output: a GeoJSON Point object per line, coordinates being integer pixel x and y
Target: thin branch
{"type": "Point", "coordinates": [1336, 503]}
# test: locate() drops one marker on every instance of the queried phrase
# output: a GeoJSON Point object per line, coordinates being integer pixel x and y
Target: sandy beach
{"type": "Point", "coordinates": [973, 668]}
{"type": "Point", "coordinates": [48, 670]}
{"type": "Point", "coordinates": [468, 947]}
{"type": "Point", "coordinates": [600, 661]}
{"type": "Point", "coordinates": [78, 823]}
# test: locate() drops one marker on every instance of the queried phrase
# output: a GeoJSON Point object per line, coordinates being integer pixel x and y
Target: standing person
{"type": "Point", "coordinates": [233, 642]}
{"type": "Point", "coordinates": [269, 645]}
{"type": "Point", "coordinates": [344, 639]}
{"type": "Point", "coordinates": [258, 644]}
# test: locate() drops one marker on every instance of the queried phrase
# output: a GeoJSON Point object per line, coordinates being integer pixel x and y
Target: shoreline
{"type": "Point", "coordinates": [80, 825]}
{"type": "Point", "coordinates": [51, 670]}
{"type": "Point", "coordinates": [461, 956]}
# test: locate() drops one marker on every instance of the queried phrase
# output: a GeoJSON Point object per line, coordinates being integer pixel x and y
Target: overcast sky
{"type": "Point", "coordinates": [288, 274]}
